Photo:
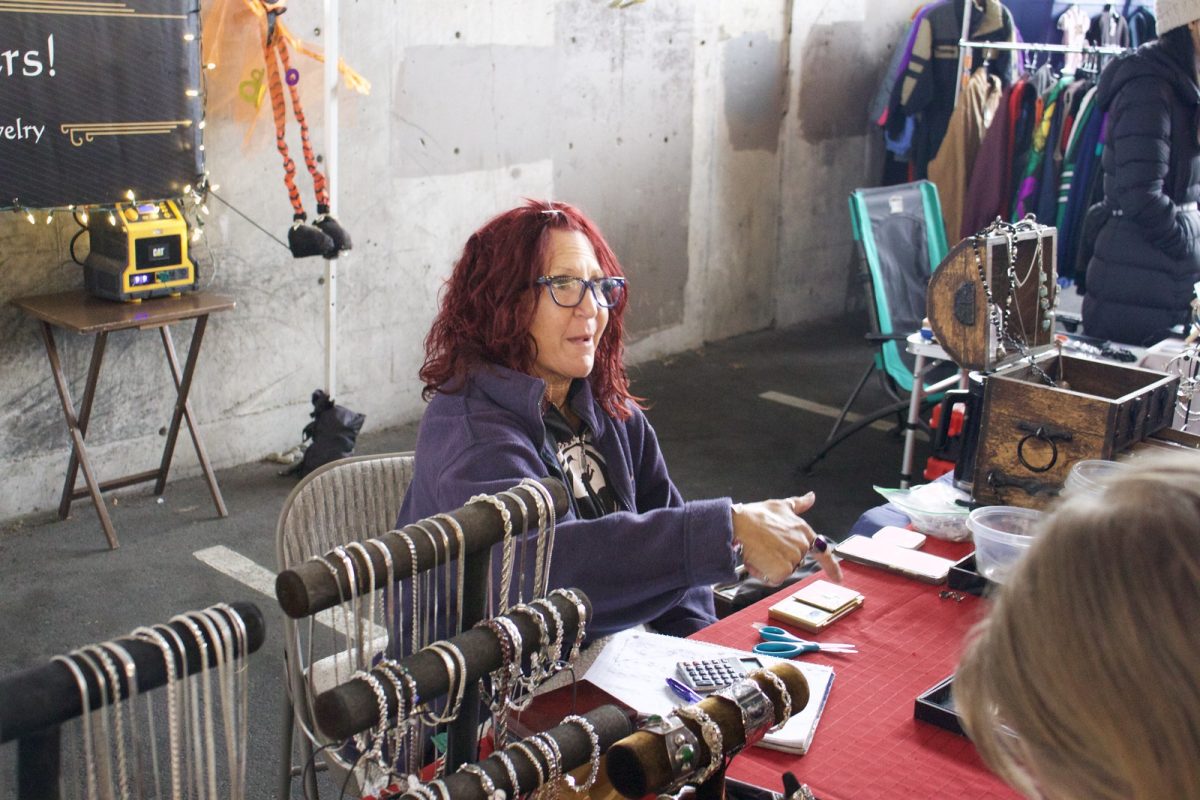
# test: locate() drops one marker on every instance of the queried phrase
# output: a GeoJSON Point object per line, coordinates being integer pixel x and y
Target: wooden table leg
{"type": "Point", "coordinates": [85, 413]}
{"type": "Point", "coordinates": [80, 451]}
{"type": "Point", "coordinates": [183, 410]}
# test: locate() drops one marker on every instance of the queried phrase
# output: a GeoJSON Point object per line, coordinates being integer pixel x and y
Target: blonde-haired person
{"type": "Point", "coordinates": [1084, 680]}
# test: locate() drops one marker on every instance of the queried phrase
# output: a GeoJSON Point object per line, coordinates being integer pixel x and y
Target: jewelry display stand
{"type": "Point", "coordinates": [353, 707]}
{"type": "Point", "coordinates": [36, 702]}
{"type": "Point", "coordinates": [609, 723]}
{"type": "Point", "coordinates": [643, 763]}
{"type": "Point", "coordinates": [320, 584]}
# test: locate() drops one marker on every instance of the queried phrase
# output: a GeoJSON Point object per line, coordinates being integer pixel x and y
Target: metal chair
{"type": "Point", "coordinates": [901, 240]}
{"type": "Point", "coordinates": [349, 500]}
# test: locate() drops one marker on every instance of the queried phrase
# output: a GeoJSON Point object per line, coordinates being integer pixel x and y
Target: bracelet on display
{"type": "Point", "coordinates": [485, 781]}
{"type": "Point", "coordinates": [589, 730]}
{"type": "Point", "coordinates": [681, 745]}
{"type": "Point", "coordinates": [530, 756]}
{"type": "Point", "coordinates": [713, 739]}
{"type": "Point", "coordinates": [782, 688]}
{"type": "Point", "coordinates": [756, 709]}
{"type": "Point", "coordinates": [581, 620]}
{"type": "Point", "coordinates": [556, 653]}
{"type": "Point", "coordinates": [510, 769]}
{"type": "Point", "coordinates": [550, 751]}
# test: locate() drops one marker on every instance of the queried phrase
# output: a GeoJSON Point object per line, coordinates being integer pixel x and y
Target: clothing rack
{"type": "Point", "coordinates": [1104, 50]}
{"type": "Point", "coordinates": [352, 707]}
{"type": "Point", "coordinates": [312, 586]}
{"type": "Point", "coordinates": [965, 44]}
{"type": "Point", "coordinates": [35, 702]}
{"type": "Point", "coordinates": [610, 724]}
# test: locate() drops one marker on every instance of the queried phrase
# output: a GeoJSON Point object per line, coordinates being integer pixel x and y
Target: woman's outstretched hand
{"type": "Point", "coordinates": [775, 538]}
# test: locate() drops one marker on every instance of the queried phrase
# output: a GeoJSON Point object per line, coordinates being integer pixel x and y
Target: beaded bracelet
{"type": "Point", "coordinates": [712, 738]}
{"type": "Point", "coordinates": [589, 730]}
{"type": "Point", "coordinates": [781, 687]}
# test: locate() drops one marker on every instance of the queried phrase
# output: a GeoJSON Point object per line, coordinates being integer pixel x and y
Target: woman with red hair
{"type": "Point", "coordinates": [525, 377]}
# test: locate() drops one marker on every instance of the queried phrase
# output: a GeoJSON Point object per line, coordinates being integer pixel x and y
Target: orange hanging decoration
{"type": "Point", "coordinates": [325, 237]}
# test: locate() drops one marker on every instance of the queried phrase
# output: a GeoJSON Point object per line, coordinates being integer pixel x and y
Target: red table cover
{"type": "Point", "coordinates": [868, 745]}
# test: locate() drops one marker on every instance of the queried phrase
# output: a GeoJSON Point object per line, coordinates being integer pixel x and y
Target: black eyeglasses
{"type": "Point", "coordinates": [567, 291]}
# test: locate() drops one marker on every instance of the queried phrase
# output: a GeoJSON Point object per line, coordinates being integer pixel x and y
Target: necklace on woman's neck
{"type": "Point", "coordinates": [556, 392]}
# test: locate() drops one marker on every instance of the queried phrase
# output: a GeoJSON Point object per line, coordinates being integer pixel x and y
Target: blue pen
{"type": "Point", "coordinates": [683, 692]}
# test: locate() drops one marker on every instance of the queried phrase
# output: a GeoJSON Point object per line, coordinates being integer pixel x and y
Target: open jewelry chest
{"type": "Point", "coordinates": [991, 306]}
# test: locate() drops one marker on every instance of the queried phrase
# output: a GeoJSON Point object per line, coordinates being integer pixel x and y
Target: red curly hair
{"type": "Point", "coordinates": [490, 298]}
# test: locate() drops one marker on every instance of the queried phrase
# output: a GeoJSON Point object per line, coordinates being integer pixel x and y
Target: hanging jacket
{"type": "Point", "coordinates": [1143, 27]}
{"type": "Point", "coordinates": [1147, 253]}
{"type": "Point", "coordinates": [987, 191]}
{"type": "Point", "coordinates": [927, 88]}
{"type": "Point", "coordinates": [951, 170]}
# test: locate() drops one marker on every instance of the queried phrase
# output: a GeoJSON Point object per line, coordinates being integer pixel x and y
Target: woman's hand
{"type": "Point", "coordinates": [775, 538]}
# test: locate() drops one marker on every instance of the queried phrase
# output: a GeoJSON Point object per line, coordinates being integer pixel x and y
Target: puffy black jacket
{"type": "Point", "coordinates": [1147, 253]}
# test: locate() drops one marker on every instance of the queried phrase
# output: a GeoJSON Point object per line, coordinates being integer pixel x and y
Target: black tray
{"type": "Point", "coordinates": [936, 706]}
{"type": "Point", "coordinates": [964, 578]}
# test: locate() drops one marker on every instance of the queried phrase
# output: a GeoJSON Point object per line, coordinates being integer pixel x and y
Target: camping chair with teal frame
{"type": "Point", "coordinates": [900, 237]}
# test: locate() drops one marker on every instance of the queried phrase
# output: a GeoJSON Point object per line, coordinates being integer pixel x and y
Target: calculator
{"type": "Point", "coordinates": [708, 675]}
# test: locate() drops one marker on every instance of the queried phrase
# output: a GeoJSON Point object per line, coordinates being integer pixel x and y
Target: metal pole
{"type": "Point", "coordinates": [331, 176]}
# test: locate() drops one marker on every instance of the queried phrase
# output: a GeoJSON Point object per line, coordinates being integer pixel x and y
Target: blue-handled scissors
{"type": "Point", "coordinates": [782, 644]}
{"type": "Point", "coordinates": [785, 649]}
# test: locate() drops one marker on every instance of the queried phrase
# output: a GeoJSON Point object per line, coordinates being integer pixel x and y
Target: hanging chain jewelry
{"type": "Point", "coordinates": [460, 539]}
{"type": "Point", "coordinates": [524, 543]}
{"type": "Point", "coordinates": [506, 565]}
{"type": "Point", "coordinates": [85, 702]}
{"type": "Point", "coordinates": [1003, 323]}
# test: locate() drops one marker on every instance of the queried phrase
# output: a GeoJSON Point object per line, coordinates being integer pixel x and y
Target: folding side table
{"type": "Point", "coordinates": [80, 312]}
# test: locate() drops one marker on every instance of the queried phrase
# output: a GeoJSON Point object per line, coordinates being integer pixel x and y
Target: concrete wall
{"type": "Point", "coordinates": [714, 142]}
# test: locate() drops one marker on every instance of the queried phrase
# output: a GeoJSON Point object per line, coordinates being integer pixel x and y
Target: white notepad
{"type": "Point", "coordinates": [634, 665]}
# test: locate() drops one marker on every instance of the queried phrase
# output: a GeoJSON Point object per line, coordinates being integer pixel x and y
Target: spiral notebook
{"type": "Point", "coordinates": [634, 665]}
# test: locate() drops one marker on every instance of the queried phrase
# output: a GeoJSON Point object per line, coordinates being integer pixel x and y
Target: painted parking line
{"type": "Point", "coordinates": [260, 579]}
{"type": "Point", "coordinates": [823, 410]}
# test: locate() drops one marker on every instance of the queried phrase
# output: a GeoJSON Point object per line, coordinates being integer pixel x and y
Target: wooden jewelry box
{"type": "Point", "coordinates": [1032, 433]}
{"type": "Point", "coordinates": [991, 306]}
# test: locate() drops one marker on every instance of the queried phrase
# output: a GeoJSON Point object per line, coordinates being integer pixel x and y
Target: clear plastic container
{"type": "Point", "coordinates": [1087, 477]}
{"type": "Point", "coordinates": [1002, 536]}
{"type": "Point", "coordinates": [933, 509]}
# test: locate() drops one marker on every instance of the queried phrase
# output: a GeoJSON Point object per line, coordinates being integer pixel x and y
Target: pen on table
{"type": "Point", "coordinates": [683, 692]}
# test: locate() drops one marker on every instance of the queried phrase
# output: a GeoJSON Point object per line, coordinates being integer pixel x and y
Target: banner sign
{"type": "Point", "coordinates": [97, 98]}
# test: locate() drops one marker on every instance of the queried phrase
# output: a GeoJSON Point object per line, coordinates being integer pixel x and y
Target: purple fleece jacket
{"type": "Point", "coordinates": [653, 561]}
